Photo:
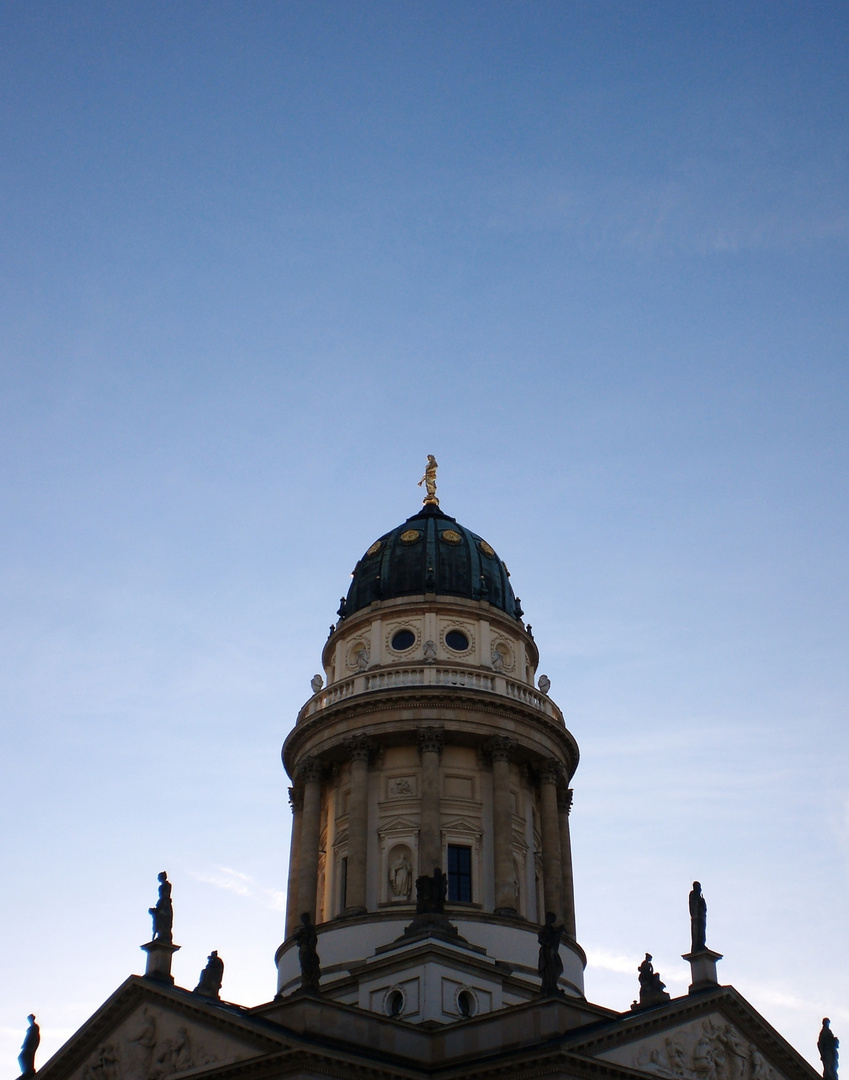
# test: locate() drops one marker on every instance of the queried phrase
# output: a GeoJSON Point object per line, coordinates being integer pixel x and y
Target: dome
{"type": "Point", "coordinates": [430, 553]}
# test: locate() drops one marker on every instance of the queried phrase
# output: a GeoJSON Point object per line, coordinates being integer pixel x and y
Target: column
{"type": "Point", "coordinates": [296, 799]}
{"type": "Point", "coordinates": [564, 805]}
{"type": "Point", "coordinates": [430, 838]}
{"type": "Point", "coordinates": [311, 773]}
{"type": "Point", "coordinates": [500, 749]}
{"type": "Point", "coordinates": [355, 888]}
{"type": "Point", "coordinates": [550, 828]}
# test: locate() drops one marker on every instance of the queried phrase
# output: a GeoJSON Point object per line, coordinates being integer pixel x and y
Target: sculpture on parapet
{"type": "Point", "coordinates": [827, 1044]}
{"type": "Point", "coordinates": [211, 977]}
{"type": "Point", "coordinates": [163, 913]}
{"type": "Point", "coordinates": [652, 989]}
{"type": "Point", "coordinates": [431, 893]}
{"type": "Point", "coordinates": [307, 941]}
{"type": "Point", "coordinates": [698, 919]}
{"type": "Point", "coordinates": [429, 481]}
{"type": "Point", "coordinates": [550, 966]}
{"type": "Point", "coordinates": [26, 1058]}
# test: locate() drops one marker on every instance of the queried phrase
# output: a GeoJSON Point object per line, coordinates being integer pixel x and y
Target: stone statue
{"type": "Point", "coordinates": [26, 1058]}
{"type": "Point", "coordinates": [429, 481]}
{"type": "Point", "coordinates": [550, 966]}
{"type": "Point", "coordinates": [431, 893]}
{"type": "Point", "coordinates": [362, 659]}
{"type": "Point", "coordinates": [430, 652]}
{"type": "Point", "coordinates": [163, 913]}
{"type": "Point", "coordinates": [400, 877]}
{"type": "Point", "coordinates": [544, 684]}
{"type": "Point", "coordinates": [316, 682]}
{"type": "Point", "coordinates": [698, 919]}
{"type": "Point", "coordinates": [211, 977]}
{"type": "Point", "coordinates": [496, 657]}
{"type": "Point", "coordinates": [827, 1045]}
{"type": "Point", "coordinates": [307, 940]}
{"type": "Point", "coordinates": [652, 990]}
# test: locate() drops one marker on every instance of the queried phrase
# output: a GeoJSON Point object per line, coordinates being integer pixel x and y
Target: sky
{"type": "Point", "coordinates": [257, 261]}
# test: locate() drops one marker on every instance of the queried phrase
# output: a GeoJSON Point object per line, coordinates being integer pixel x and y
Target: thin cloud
{"type": "Point", "coordinates": [234, 881]}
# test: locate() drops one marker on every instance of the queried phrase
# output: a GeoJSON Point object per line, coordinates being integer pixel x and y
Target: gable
{"type": "Point", "coordinates": [706, 1048]}
{"type": "Point", "coordinates": [153, 1034]}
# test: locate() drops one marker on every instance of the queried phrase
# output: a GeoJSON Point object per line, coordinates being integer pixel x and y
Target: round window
{"type": "Point", "coordinates": [403, 639]}
{"type": "Point", "coordinates": [456, 640]}
{"type": "Point", "coordinates": [395, 1003]}
{"type": "Point", "coordinates": [465, 1003]}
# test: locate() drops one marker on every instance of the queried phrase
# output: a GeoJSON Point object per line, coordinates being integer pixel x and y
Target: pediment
{"type": "Point", "coordinates": [717, 1038]}
{"type": "Point", "coordinates": [398, 825]}
{"type": "Point", "coordinates": [152, 1033]}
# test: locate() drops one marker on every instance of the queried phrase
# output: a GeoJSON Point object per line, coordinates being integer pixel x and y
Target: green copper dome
{"type": "Point", "coordinates": [430, 553]}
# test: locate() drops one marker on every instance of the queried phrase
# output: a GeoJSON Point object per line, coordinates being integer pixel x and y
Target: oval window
{"type": "Point", "coordinates": [456, 640]}
{"type": "Point", "coordinates": [465, 1003]}
{"type": "Point", "coordinates": [395, 1003]}
{"type": "Point", "coordinates": [403, 639]}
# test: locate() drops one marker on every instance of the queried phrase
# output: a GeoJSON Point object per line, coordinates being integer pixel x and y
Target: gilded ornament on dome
{"type": "Point", "coordinates": [485, 548]}
{"type": "Point", "coordinates": [410, 536]}
{"type": "Point", "coordinates": [450, 536]}
{"type": "Point", "coordinates": [375, 547]}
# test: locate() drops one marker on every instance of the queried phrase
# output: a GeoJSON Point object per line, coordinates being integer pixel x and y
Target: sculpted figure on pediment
{"type": "Point", "coordinates": [141, 1042]}
{"type": "Point", "coordinates": [705, 1052]}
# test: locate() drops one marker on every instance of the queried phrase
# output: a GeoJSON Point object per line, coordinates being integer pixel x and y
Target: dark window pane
{"type": "Point", "coordinates": [459, 874]}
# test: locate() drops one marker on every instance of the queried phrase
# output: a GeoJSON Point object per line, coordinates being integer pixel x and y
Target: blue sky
{"type": "Point", "coordinates": [257, 261]}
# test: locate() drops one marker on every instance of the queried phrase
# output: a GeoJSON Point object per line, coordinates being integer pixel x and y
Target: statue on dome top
{"type": "Point", "coordinates": [429, 481]}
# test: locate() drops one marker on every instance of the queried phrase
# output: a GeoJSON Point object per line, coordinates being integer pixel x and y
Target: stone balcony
{"type": "Point", "coordinates": [430, 675]}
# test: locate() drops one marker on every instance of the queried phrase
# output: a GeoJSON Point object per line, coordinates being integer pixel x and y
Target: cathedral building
{"type": "Point", "coordinates": [430, 928]}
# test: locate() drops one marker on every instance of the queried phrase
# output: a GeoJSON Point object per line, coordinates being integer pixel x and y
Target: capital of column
{"type": "Point", "coordinates": [431, 740]}
{"type": "Point", "coordinates": [310, 769]}
{"type": "Point", "coordinates": [564, 800]}
{"type": "Point", "coordinates": [551, 771]}
{"type": "Point", "coordinates": [500, 747]}
{"type": "Point", "coordinates": [296, 798]}
{"type": "Point", "coordinates": [359, 748]}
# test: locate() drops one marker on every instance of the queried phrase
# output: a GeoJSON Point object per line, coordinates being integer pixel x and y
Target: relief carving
{"type": "Point", "coordinates": [709, 1052]}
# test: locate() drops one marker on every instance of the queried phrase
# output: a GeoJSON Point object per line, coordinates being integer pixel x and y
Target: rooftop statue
{"type": "Point", "coordinates": [211, 977]}
{"type": "Point", "coordinates": [429, 481]}
{"type": "Point", "coordinates": [698, 919]}
{"type": "Point", "coordinates": [163, 913]}
{"type": "Point", "coordinates": [26, 1058]}
{"type": "Point", "coordinates": [652, 990]}
{"type": "Point", "coordinates": [307, 940]}
{"type": "Point", "coordinates": [827, 1045]}
{"type": "Point", "coordinates": [550, 966]}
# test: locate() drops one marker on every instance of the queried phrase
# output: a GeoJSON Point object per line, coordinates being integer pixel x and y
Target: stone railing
{"type": "Point", "coordinates": [425, 675]}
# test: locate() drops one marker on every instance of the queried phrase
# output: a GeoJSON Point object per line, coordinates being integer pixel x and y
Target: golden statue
{"type": "Point", "coordinates": [429, 480]}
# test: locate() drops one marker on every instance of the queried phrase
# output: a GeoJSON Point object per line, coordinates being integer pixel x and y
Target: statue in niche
{"type": "Point", "coordinates": [544, 683]}
{"type": "Point", "coordinates": [316, 683]}
{"type": "Point", "coordinates": [400, 877]}
{"type": "Point", "coordinates": [26, 1058]}
{"type": "Point", "coordinates": [652, 990]}
{"type": "Point", "coordinates": [496, 657]}
{"type": "Point", "coordinates": [429, 480]}
{"type": "Point", "coordinates": [698, 919]}
{"type": "Point", "coordinates": [211, 977]}
{"type": "Point", "coordinates": [163, 913]}
{"type": "Point", "coordinates": [430, 652]}
{"type": "Point", "coordinates": [827, 1045]}
{"type": "Point", "coordinates": [362, 658]}
{"type": "Point", "coordinates": [307, 941]}
{"type": "Point", "coordinates": [549, 966]}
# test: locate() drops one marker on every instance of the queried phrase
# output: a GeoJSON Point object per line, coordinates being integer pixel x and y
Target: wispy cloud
{"type": "Point", "coordinates": [234, 881]}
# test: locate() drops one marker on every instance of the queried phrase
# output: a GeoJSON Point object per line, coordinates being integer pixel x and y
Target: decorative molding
{"type": "Point", "coordinates": [430, 739]}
